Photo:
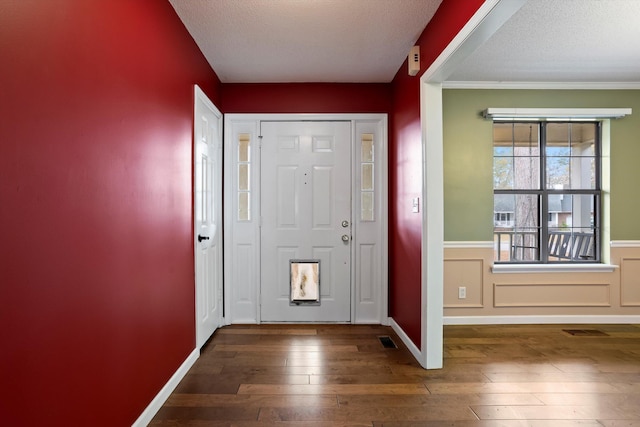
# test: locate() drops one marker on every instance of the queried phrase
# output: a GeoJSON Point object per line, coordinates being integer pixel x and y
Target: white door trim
{"type": "Point", "coordinates": [242, 244]}
{"type": "Point", "coordinates": [208, 317]}
{"type": "Point", "coordinates": [484, 23]}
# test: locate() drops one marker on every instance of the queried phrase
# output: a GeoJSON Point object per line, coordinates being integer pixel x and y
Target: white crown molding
{"type": "Point", "coordinates": [469, 245]}
{"type": "Point", "coordinates": [625, 243]}
{"type": "Point", "coordinates": [533, 320]}
{"type": "Point", "coordinates": [543, 85]}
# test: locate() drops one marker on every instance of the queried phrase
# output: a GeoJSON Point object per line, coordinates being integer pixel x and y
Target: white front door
{"type": "Point", "coordinates": [207, 140]}
{"type": "Point", "coordinates": [305, 186]}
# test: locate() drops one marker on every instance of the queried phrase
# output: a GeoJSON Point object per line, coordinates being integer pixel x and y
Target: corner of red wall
{"type": "Point", "coordinates": [405, 181]}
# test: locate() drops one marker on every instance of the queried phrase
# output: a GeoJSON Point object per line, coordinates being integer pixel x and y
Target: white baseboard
{"type": "Point", "coordinates": [407, 341]}
{"type": "Point", "coordinates": [537, 320]}
{"type": "Point", "coordinates": [147, 415]}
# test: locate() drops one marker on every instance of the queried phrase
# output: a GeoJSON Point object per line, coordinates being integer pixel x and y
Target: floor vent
{"type": "Point", "coordinates": [585, 332]}
{"type": "Point", "coordinates": [387, 342]}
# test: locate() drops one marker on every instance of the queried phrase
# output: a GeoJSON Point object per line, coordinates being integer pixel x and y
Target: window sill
{"type": "Point", "coordinates": [553, 268]}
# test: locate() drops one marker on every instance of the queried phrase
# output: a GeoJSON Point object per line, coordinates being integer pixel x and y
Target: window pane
{"type": "Point", "coordinates": [367, 176]}
{"type": "Point", "coordinates": [516, 150]}
{"type": "Point", "coordinates": [526, 172]}
{"type": "Point", "coordinates": [244, 142]}
{"type": "Point", "coordinates": [504, 206]}
{"type": "Point", "coordinates": [583, 173]}
{"type": "Point", "coordinates": [503, 139]}
{"type": "Point", "coordinates": [575, 173]}
{"type": "Point", "coordinates": [243, 207]}
{"type": "Point", "coordinates": [366, 211]}
{"type": "Point", "coordinates": [526, 228]}
{"type": "Point", "coordinates": [503, 173]}
{"type": "Point", "coordinates": [571, 157]}
{"type": "Point", "coordinates": [572, 211]}
{"type": "Point", "coordinates": [367, 147]}
{"type": "Point", "coordinates": [503, 151]}
{"type": "Point", "coordinates": [583, 137]}
{"type": "Point", "coordinates": [516, 227]}
{"type": "Point", "coordinates": [558, 173]}
{"type": "Point", "coordinates": [557, 143]}
{"type": "Point", "coordinates": [243, 177]}
{"type": "Point", "coordinates": [503, 156]}
{"type": "Point", "coordinates": [526, 151]}
{"type": "Point", "coordinates": [503, 211]}
{"type": "Point", "coordinates": [572, 230]}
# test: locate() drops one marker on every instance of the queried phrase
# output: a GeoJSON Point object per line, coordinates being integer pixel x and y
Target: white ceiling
{"type": "Point", "coordinates": [561, 41]}
{"type": "Point", "coordinates": [251, 41]}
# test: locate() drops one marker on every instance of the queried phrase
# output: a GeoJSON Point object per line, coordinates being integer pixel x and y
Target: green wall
{"type": "Point", "coordinates": [468, 193]}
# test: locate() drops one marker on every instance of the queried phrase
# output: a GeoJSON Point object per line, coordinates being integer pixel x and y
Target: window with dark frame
{"type": "Point", "coordinates": [547, 192]}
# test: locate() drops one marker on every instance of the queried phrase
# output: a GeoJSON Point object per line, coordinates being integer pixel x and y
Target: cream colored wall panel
{"type": "Point", "coordinates": [552, 295]}
{"type": "Point", "coordinates": [546, 296]}
{"type": "Point", "coordinates": [467, 273]}
{"type": "Point", "coordinates": [630, 282]}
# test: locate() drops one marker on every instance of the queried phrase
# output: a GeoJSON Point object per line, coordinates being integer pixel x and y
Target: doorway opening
{"type": "Point", "coordinates": [305, 187]}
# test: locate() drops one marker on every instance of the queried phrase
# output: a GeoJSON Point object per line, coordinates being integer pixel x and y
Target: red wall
{"type": "Point", "coordinates": [405, 166]}
{"type": "Point", "coordinates": [306, 98]}
{"type": "Point", "coordinates": [96, 256]}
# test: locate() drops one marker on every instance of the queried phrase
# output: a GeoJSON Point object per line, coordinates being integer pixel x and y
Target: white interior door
{"type": "Point", "coordinates": [208, 216]}
{"type": "Point", "coordinates": [305, 186]}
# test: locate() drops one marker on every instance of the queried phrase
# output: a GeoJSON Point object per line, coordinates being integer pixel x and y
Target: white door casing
{"type": "Point", "coordinates": [207, 167]}
{"type": "Point", "coordinates": [305, 187]}
{"type": "Point", "coordinates": [242, 211]}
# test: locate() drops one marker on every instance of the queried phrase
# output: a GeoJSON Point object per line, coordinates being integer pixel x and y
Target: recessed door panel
{"type": "Point", "coordinates": [287, 195]}
{"type": "Point", "coordinates": [322, 197]}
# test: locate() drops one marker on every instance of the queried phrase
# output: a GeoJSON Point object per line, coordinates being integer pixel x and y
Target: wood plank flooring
{"type": "Point", "coordinates": [341, 375]}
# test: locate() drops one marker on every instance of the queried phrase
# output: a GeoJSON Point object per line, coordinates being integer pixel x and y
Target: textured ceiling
{"type": "Point", "coordinates": [561, 41]}
{"type": "Point", "coordinates": [253, 41]}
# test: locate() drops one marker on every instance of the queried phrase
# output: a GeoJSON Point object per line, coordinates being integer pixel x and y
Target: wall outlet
{"type": "Point", "coordinates": [462, 292]}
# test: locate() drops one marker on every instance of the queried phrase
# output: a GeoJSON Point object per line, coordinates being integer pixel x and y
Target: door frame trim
{"type": "Point", "coordinates": [241, 281]}
{"type": "Point", "coordinates": [200, 95]}
{"type": "Point", "coordinates": [489, 17]}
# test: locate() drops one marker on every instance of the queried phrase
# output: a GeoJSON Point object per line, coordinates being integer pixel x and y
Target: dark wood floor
{"type": "Point", "coordinates": [341, 375]}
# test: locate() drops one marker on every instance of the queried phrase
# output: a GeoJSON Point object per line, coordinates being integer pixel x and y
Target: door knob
{"type": "Point", "coordinates": [201, 238]}
{"type": "Point", "coordinates": [345, 238]}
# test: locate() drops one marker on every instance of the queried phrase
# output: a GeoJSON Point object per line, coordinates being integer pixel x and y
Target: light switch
{"type": "Point", "coordinates": [416, 205]}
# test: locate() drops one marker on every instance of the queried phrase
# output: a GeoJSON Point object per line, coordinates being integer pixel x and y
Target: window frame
{"type": "Point", "coordinates": [542, 194]}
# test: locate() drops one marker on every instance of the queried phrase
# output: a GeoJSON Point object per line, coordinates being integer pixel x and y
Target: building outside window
{"type": "Point", "coordinates": [547, 191]}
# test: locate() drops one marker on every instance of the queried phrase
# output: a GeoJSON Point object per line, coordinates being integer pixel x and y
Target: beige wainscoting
{"type": "Point", "coordinates": [467, 273]}
{"type": "Point", "coordinates": [630, 281]}
{"type": "Point", "coordinates": [540, 294]}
